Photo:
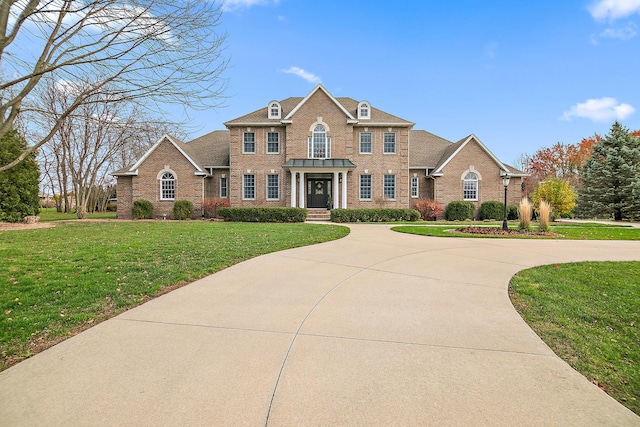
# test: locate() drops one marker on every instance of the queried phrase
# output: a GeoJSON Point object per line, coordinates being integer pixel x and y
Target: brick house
{"type": "Point", "coordinates": [316, 152]}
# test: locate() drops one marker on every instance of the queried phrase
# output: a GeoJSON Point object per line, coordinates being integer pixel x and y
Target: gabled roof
{"type": "Point", "coordinates": [452, 151]}
{"type": "Point", "coordinates": [348, 106]}
{"type": "Point", "coordinates": [207, 151]}
{"type": "Point", "coordinates": [426, 149]}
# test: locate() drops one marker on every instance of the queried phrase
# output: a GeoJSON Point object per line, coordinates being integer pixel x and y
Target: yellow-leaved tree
{"type": "Point", "coordinates": [558, 193]}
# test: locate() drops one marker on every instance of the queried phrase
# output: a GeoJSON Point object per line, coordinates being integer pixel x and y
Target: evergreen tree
{"type": "Point", "coordinates": [18, 186]}
{"type": "Point", "coordinates": [609, 177]}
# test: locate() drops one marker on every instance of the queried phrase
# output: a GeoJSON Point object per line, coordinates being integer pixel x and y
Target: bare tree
{"type": "Point", "coordinates": [151, 52]}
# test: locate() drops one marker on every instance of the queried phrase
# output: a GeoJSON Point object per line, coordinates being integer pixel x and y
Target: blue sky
{"type": "Point", "coordinates": [519, 74]}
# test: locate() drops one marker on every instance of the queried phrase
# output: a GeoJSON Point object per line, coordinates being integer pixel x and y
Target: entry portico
{"type": "Point", "coordinates": [319, 183]}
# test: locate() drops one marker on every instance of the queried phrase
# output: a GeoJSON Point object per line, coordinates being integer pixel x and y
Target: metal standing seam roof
{"type": "Point", "coordinates": [319, 163]}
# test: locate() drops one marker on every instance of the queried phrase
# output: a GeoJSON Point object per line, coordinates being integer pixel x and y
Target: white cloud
{"type": "Point", "coordinates": [603, 109]}
{"type": "Point", "coordinates": [624, 33]}
{"type": "Point", "coordinates": [310, 77]}
{"type": "Point", "coordinates": [603, 10]}
{"type": "Point", "coordinates": [228, 5]}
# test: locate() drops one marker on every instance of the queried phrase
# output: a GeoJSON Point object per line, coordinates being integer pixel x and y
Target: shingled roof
{"type": "Point", "coordinates": [210, 150]}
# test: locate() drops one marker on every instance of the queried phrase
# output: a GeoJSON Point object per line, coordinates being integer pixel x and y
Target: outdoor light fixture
{"type": "Point", "coordinates": [505, 181]}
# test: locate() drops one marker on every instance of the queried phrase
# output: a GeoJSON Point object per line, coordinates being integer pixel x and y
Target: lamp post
{"type": "Point", "coordinates": [505, 181]}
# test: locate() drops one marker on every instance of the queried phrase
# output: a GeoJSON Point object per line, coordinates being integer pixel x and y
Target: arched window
{"type": "Point", "coordinates": [470, 186]}
{"type": "Point", "coordinates": [167, 186]}
{"type": "Point", "coordinates": [275, 110]}
{"type": "Point", "coordinates": [319, 143]}
{"type": "Point", "coordinates": [364, 110]}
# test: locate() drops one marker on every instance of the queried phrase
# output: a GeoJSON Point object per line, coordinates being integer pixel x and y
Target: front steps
{"type": "Point", "coordinates": [318, 214]}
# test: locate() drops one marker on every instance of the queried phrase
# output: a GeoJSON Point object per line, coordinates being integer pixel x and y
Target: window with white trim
{"type": "Point", "coordinates": [365, 142]}
{"type": "Point", "coordinates": [414, 187]}
{"type": "Point", "coordinates": [364, 110]}
{"type": "Point", "coordinates": [249, 142]}
{"type": "Point", "coordinates": [224, 187]}
{"type": "Point", "coordinates": [365, 187]}
{"type": "Point", "coordinates": [470, 187]}
{"type": "Point", "coordinates": [273, 187]}
{"type": "Point", "coordinates": [248, 187]}
{"type": "Point", "coordinates": [167, 186]}
{"type": "Point", "coordinates": [389, 187]}
{"type": "Point", "coordinates": [273, 142]}
{"type": "Point", "coordinates": [319, 144]}
{"type": "Point", "coordinates": [274, 110]}
{"type": "Point", "coordinates": [389, 146]}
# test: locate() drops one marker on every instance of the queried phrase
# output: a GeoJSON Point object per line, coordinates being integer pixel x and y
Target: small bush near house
{"type": "Point", "coordinates": [524, 214]}
{"type": "Point", "coordinates": [429, 209]}
{"type": "Point", "coordinates": [512, 212]}
{"type": "Point", "coordinates": [374, 215]}
{"type": "Point", "coordinates": [491, 210]}
{"type": "Point", "coordinates": [211, 206]}
{"type": "Point", "coordinates": [263, 214]}
{"type": "Point", "coordinates": [142, 209]}
{"type": "Point", "coordinates": [111, 207]}
{"type": "Point", "coordinates": [182, 209]}
{"type": "Point", "coordinates": [459, 211]}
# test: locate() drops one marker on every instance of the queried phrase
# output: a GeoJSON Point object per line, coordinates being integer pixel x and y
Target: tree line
{"type": "Point", "coordinates": [599, 177]}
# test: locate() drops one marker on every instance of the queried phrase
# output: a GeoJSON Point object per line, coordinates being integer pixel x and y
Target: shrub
{"type": "Point", "coordinates": [459, 211]}
{"type": "Point", "coordinates": [429, 209]}
{"type": "Point", "coordinates": [19, 192]}
{"type": "Point", "coordinates": [263, 214]}
{"type": "Point", "coordinates": [182, 209]}
{"type": "Point", "coordinates": [558, 193]}
{"type": "Point", "coordinates": [491, 210]}
{"type": "Point", "coordinates": [512, 212]}
{"type": "Point", "coordinates": [374, 215]}
{"type": "Point", "coordinates": [142, 209]}
{"type": "Point", "coordinates": [524, 213]}
{"type": "Point", "coordinates": [544, 215]}
{"type": "Point", "coordinates": [210, 206]}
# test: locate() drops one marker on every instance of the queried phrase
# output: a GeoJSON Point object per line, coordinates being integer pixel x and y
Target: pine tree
{"type": "Point", "coordinates": [609, 177]}
{"type": "Point", "coordinates": [18, 186]}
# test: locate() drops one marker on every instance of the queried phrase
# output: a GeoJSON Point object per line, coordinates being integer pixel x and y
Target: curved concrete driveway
{"type": "Point", "coordinates": [378, 328]}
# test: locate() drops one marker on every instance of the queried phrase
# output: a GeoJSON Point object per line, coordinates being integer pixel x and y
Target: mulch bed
{"type": "Point", "coordinates": [494, 231]}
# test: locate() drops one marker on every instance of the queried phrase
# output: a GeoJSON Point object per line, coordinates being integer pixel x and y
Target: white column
{"type": "Point", "coordinates": [336, 200]}
{"type": "Point", "coordinates": [303, 188]}
{"type": "Point", "coordinates": [344, 190]}
{"type": "Point", "coordinates": [293, 189]}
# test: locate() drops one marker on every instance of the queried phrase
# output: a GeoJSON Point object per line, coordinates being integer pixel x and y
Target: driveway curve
{"type": "Point", "coordinates": [378, 328]}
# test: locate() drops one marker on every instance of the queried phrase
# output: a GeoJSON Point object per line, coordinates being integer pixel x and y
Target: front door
{"type": "Point", "coordinates": [318, 192]}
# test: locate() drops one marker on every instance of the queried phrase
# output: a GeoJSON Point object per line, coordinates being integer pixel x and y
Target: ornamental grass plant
{"type": "Point", "coordinates": [524, 214]}
{"type": "Point", "coordinates": [544, 215]}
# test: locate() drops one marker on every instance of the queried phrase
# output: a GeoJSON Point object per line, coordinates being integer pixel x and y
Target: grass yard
{"type": "Point", "coordinates": [583, 231]}
{"type": "Point", "coordinates": [589, 314]}
{"type": "Point", "coordinates": [55, 282]}
{"type": "Point", "coordinates": [50, 214]}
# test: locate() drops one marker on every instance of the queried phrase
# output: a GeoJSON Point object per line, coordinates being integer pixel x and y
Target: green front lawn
{"type": "Point", "coordinates": [50, 214]}
{"type": "Point", "coordinates": [589, 314]}
{"type": "Point", "coordinates": [585, 231]}
{"type": "Point", "coordinates": [57, 281]}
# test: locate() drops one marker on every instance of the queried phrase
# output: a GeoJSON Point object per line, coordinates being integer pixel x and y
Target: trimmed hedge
{"type": "Point", "coordinates": [512, 213]}
{"type": "Point", "coordinates": [182, 209]}
{"type": "Point", "coordinates": [263, 214]}
{"type": "Point", "coordinates": [491, 209]}
{"type": "Point", "coordinates": [459, 211]}
{"type": "Point", "coordinates": [142, 209]}
{"type": "Point", "coordinates": [374, 215]}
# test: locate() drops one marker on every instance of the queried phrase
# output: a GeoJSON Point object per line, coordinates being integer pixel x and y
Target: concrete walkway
{"type": "Point", "coordinates": [378, 328]}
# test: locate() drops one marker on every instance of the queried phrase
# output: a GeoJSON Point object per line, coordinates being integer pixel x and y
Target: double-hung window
{"type": "Point", "coordinates": [414, 187]}
{"type": "Point", "coordinates": [223, 188]}
{"type": "Point", "coordinates": [248, 187]}
{"type": "Point", "coordinates": [389, 187]}
{"type": "Point", "coordinates": [389, 145]}
{"type": "Point", "coordinates": [167, 186]}
{"type": "Point", "coordinates": [470, 187]}
{"type": "Point", "coordinates": [249, 142]}
{"type": "Point", "coordinates": [273, 187]}
{"type": "Point", "coordinates": [365, 187]}
{"type": "Point", "coordinates": [319, 144]}
{"type": "Point", "coordinates": [273, 142]}
{"type": "Point", "coordinates": [365, 142]}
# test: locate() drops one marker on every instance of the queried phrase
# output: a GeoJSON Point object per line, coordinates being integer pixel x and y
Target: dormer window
{"type": "Point", "coordinates": [275, 110]}
{"type": "Point", "coordinates": [364, 110]}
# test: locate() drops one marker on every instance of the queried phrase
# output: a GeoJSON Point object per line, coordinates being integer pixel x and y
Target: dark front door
{"type": "Point", "coordinates": [318, 192]}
